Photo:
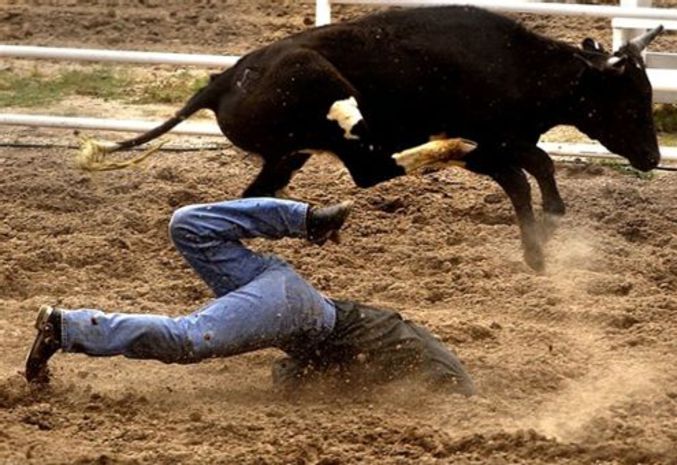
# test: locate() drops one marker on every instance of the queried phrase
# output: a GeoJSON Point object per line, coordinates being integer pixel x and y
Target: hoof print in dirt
{"type": "Point", "coordinates": [609, 287]}
{"type": "Point", "coordinates": [624, 321]}
{"type": "Point", "coordinates": [635, 230]}
{"type": "Point", "coordinates": [494, 198]}
{"type": "Point", "coordinates": [389, 205]}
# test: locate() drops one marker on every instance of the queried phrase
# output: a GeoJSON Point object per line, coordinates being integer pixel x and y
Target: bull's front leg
{"type": "Point", "coordinates": [514, 182]}
{"type": "Point", "coordinates": [275, 174]}
{"type": "Point", "coordinates": [538, 163]}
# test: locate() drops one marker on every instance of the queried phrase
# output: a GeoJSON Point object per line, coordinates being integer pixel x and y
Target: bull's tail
{"type": "Point", "coordinates": [202, 99]}
{"type": "Point", "coordinates": [92, 152]}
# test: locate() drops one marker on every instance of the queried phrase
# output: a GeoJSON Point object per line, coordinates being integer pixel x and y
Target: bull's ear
{"type": "Point", "coordinates": [590, 63]}
{"type": "Point", "coordinates": [599, 64]}
{"type": "Point", "coordinates": [591, 45]}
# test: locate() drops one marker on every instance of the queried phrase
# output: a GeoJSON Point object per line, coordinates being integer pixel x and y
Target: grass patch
{"type": "Point", "coordinates": [665, 117]}
{"type": "Point", "coordinates": [34, 88]}
{"type": "Point", "coordinates": [623, 168]}
{"type": "Point", "coordinates": [175, 88]}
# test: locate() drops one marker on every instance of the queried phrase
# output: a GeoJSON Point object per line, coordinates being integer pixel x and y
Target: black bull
{"type": "Point", "coordinates": [459, 71]}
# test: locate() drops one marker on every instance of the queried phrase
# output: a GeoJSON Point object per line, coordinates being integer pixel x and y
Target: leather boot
{"type": "Point", "coordinates": [46, 343]}
{"type": "Point", "coordinates": [323, 223]}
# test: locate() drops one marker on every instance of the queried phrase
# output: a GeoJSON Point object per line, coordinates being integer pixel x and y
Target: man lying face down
{"type": "Point", "coordinates": [261, 302]}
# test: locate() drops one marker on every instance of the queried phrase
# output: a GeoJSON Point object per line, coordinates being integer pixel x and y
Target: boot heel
{"type": "Point", "coordinates": [43, 317]}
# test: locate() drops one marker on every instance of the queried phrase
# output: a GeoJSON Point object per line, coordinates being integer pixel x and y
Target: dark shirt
{"type": "Point", "coordinates": [377, 345]}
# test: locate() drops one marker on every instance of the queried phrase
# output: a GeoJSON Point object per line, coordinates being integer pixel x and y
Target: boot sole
{"type": "Point", "coordinates": [41, 323]}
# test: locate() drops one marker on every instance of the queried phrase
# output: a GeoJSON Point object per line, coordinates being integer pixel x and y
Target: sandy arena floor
{"type": "Point", "coordinates": [575, 366]}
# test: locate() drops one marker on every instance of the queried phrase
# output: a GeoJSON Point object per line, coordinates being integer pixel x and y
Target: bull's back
{"type": "Point", "coordinates": [417, 72]}
{"type": "Point", "coordinates": [430, 64]}
{"type": "Point", "coordinates": [425, 44]}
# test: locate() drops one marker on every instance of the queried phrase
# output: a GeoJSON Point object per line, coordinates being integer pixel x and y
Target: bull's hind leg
{"type": "Point", "coordinates": [514, 182]}
{"type": "Point", "coordinates": [538, 163]}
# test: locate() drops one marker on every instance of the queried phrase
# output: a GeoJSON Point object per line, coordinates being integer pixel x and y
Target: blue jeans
{"type": "Point", "coordinates": [261, 301]}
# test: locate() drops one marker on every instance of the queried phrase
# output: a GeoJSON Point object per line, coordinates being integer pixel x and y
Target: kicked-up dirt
{"type": "Point", "coordinates": [574, 366]}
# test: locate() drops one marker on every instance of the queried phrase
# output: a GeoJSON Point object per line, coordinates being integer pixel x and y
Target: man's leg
{"type": "Point", "coordinates": [261, 301]}
{"type": "Point", "coordinates": [208, 237]}
{"type": "Point", "coordinates": [275, 309]}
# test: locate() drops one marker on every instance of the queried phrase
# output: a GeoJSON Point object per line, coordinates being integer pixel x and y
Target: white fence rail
{"type": "Point", "coordinates": [123, 125]}
{"type": "Point", "coordinates": [663, 81]}
{"type": "Point", "coordinates": [323, 8]}
{"type": "Point", "coordinates": [211, 129]}
{"type": "Point", "coordinates": [120, 56]}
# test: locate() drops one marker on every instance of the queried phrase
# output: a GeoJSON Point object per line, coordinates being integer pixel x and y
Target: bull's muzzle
{"type": "Point", "coordinates": [647, 162]}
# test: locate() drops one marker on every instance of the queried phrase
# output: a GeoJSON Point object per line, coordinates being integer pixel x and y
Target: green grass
{"type": "Point", "coordinates": [665, 117]}
{"type": "Point", "coordinates": [34, 89]}
{"type": "Point", "coordinates": [31, 89]}
{"type": "Point", "coordinates": [623, 168]}
{"type": "Point", "coordinates": [174, 88]}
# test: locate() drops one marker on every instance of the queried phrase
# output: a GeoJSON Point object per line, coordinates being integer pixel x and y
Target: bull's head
{"type": "Point", "coordinates": [615, 101]}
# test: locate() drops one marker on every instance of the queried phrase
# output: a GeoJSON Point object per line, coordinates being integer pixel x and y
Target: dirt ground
{"type": "Point", "coordinates": [574, 366]}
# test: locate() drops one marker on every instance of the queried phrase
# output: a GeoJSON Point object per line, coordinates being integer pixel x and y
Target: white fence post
{"type": "Point", "coordinates": [621, 36]}
{"type": "Point", "coordinates": [322, 12]}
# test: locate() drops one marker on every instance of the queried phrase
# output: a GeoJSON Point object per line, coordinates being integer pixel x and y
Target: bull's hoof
{"type": "Point", "coordinates": [554, 207]}
{"type": "Point", "coordinates": [533, 256]}
{"type": "Point", "coordinates": [550, 224]}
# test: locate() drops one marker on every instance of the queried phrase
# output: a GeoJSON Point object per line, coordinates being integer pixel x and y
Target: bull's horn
{"type": "Point", "coordinates": [645, 39]}
{"type": "Point", "coordinates": [614, 61]}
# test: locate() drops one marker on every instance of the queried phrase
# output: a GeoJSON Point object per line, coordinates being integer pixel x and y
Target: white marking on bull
{"type": "Point", "coordinates": [346, 114]}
